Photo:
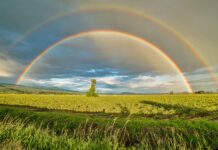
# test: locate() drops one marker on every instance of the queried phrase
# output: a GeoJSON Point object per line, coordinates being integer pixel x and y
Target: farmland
{"type": "Point", "coordinates": [171, 105]}
{"type": "Point", "coordinates": [182, 121]}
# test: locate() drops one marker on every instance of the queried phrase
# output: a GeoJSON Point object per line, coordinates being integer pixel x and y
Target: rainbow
{"type": "Point", "coordinates": [82, 34]}
{"type": "Point", "coordinates": [177, 35]}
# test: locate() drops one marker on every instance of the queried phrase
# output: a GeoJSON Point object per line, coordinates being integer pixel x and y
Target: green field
{"type": "Point", "coordinates": [34, 121]}
{"type": "Point", "coordinates": [150, 105]}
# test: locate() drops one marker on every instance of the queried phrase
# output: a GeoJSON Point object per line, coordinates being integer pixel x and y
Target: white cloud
{"type": "Point", "coordinates": [74, 83]}
{"type": "Point", "coordinates": [8, 67]}
{"type": "Point", "coordinates": [91, 71]}
{"type": "Point", "coordinates": [105, 90]}
{"type": "Point", "coordinates": [123, 83]}
{"type": "Point", "coordinates": [108, 84]}
{"type": "Point", "coordinates": [158, 81]}
{"type": "Point", "coordinates": [142, 82]}
{"type": "Point", "coordinates": [112, 80]}
{"type": "Point", "coordinates": [6, 74]}
{"type": "Point", "coordinates": [29, 81]}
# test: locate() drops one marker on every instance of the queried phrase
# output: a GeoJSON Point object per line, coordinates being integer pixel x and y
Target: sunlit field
{"type": "Point", "coordinates": [109, 121]}
{"type": "Point", "coordinates": [131, 104]}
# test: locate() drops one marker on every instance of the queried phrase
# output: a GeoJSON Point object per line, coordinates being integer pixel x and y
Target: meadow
{"type": "Point", "coordinates": [46, 121]}
{"type": "Point", "coordinates": [180, 105]}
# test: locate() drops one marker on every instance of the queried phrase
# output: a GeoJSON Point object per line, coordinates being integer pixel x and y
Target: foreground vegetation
{"type": "Point", "coordinates": [30, 129]}
{"type": "Point", "coordinates": [33, 121]}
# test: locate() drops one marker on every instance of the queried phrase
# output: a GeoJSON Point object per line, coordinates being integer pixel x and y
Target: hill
{"type": "Point", "coordinates": [21, 89]}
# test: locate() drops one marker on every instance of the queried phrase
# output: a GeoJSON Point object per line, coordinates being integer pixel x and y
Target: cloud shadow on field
{"type": "Point", "coordinates": [180, 111]}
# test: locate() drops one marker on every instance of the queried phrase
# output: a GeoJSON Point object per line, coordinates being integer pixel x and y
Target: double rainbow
{"type": "Point", "coordinates": [128, 11]}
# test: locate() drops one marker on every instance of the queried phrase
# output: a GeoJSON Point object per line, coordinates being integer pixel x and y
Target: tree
{"type": "Point", "coordinates": [92, 89]}
{"type": "Point", "coordinates": [200, 92]}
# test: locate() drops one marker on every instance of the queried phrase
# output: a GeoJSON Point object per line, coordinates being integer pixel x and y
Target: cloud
{"type": "Point", "coordinates": [74, 83]}
{"type": "Point", "coordinates": [111, 80]}
{"type": "Point", "coordinates": [91, 71]}
{"type": "Point", "coordinates": [5, 74]}
{"type": "Point", "coordinates": [162, 82]}
{"type": "Point", "coordinates": [105, 90]}
{"type": "Point", "coordinates": [9, 67]}
{"type": "Point", "coordinates": [115, 83]}
{"type": "Point", "coordinates": [142, 81]}
{"type": "Point", "coordinates": [201, 79]}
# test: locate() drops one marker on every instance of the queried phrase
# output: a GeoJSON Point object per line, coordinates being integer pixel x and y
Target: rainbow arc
{"type": "Point", "coordinates": [83, 34]}
{"type": "Point", "coordinates": [149, 18]}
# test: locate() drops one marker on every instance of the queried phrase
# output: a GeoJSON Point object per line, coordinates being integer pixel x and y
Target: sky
{"type": "Point", "coordinates": [141, 46]}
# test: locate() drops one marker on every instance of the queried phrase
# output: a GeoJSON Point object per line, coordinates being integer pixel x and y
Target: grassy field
{"type": "Point", "coordinates": [191, 106]}
{"type": "Point", "coordinates": [33, 121]}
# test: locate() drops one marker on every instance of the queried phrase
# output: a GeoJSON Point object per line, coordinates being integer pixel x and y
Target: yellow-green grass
{"type": "Point", "coordinates": [36, 127]}
{"type": "Point", "coordinates": [30, 129]}
{"type": "Point", "coordinates": [134, 104]}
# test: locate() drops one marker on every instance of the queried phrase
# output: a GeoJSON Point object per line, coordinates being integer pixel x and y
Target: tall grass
{"type": "Point", "coordinates": [47, 130]}
{"type": "Point", "coordinates": [31, 137]}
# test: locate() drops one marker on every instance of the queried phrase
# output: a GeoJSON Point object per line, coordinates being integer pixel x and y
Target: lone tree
{"type": "Point", "coordinates": [92, 89]}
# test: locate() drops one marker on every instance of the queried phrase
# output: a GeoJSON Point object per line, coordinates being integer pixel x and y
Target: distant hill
{"type": "Point", "coordinates": [20, 89]}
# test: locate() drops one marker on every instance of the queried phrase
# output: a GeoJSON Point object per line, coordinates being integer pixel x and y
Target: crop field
{"type": "Point", "coordinates": [109, 121]}
{"type": "Point", "coordinates": [168, 105]}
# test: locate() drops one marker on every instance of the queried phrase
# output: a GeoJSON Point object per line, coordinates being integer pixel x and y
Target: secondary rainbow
{"type": "Point", "coordinates": [178, 36]}
{"type": "Point", "coordinates": [143, 41]}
